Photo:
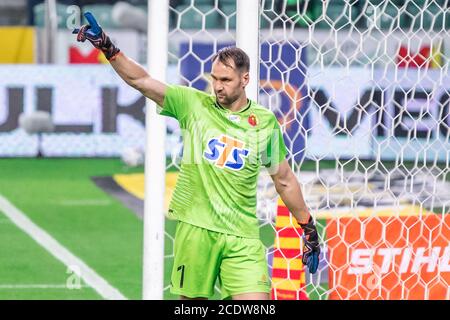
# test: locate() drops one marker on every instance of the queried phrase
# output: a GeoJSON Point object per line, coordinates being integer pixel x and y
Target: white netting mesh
{"type": "Point", "coordinates": [362, 91]}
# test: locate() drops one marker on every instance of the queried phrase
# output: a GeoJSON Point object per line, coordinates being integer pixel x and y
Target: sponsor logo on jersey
{"type": "Point", "coordinates": [226, 152]}
{"type": "Point", "coordinates": [234, 118]}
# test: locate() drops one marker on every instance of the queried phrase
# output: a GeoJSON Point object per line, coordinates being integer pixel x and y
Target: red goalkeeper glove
{"type": "Point", "coordinates": [311, 246]}
{"type": "Point", "coordinates": [94, 33]}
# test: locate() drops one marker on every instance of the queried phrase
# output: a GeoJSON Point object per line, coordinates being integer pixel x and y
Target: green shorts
{"type": "Point", "coordinates": [202, 256]}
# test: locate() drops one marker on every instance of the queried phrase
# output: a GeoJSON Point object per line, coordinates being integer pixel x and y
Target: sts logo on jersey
{"type": "Point", "coordinates": [226, 152]}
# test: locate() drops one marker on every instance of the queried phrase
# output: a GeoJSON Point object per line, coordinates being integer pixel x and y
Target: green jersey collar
{"type": "Point", "coordinates": [218, 106]}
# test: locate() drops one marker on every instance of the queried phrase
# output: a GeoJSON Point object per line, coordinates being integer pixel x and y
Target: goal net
{"type": "Point", "coordinates": [362, 92]}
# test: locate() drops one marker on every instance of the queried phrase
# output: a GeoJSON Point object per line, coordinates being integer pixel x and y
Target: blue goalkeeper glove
{"type": "Point", "coordinates": [94, 33]}
{"type": "Point", "coordinates": [311, 246]}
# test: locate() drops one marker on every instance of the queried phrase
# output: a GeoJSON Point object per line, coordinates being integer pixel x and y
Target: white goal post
{"type": "Point", "coordinates": [155, 160]}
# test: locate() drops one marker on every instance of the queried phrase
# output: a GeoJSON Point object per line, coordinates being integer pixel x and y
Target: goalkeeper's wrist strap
{"type": "Point", "coordinates": [310, 221]}
{"type": "Point", "coordinates": [109, 49]}
{"type": "Point", "coordinates": [115, 55]}
{"type": "Point", "coordinates": [309, 229]}
{"type": "Point", "coordinates": [111, 52]}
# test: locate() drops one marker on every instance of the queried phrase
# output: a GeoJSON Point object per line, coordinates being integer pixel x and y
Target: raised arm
{"type": "Point", "coordinates": [136, 76]}
{"type": "Point", "coordinates": [129, 70]}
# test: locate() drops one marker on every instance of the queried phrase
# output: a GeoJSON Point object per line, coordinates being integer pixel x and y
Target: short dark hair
{"type": "Point", "coordinates": [239, 57]}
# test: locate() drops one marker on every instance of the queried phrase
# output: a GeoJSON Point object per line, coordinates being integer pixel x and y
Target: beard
{"type": "Point", "coordinates": [227, 99]}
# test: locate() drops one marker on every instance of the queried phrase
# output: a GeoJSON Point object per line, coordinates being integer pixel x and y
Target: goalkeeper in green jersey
{"type": "Point", "coordinates": [226, 138]}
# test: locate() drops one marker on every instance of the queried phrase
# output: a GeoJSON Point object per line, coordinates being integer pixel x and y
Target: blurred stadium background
{"type": "Point", "coordinates": [361, 88]}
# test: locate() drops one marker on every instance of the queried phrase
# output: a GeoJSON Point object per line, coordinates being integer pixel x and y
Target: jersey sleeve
{"type": "Point", "coordinates": [275, 151]}
{"type": "Point", "coordinates": [177, 101]}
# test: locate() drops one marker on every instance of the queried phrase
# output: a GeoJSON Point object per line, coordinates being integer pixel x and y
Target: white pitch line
{"type": "Point", "coordinates": [90, 277]}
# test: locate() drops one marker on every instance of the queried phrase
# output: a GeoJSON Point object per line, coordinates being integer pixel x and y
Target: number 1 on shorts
{"type": "Point", "coordinates": [182, 275]}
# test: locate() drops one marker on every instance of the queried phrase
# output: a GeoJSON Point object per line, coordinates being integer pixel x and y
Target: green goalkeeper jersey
{"type": "Point", "coordinates": [222, 155]}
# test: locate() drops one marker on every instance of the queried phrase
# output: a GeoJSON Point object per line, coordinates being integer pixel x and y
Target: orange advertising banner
{"type": "Point", "coordinates": [392, 258]}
